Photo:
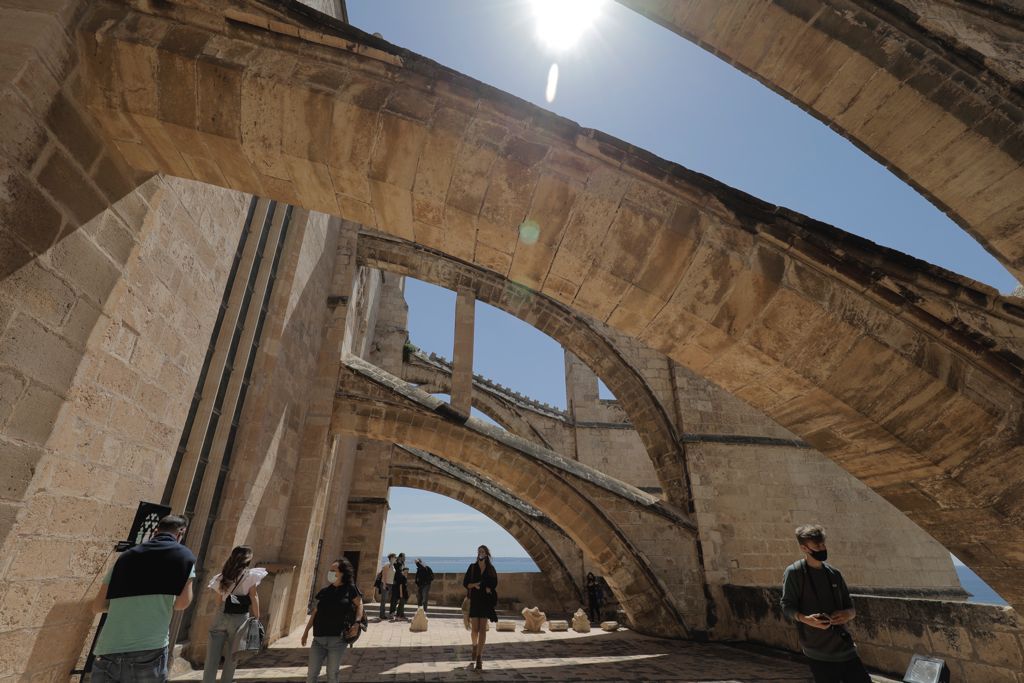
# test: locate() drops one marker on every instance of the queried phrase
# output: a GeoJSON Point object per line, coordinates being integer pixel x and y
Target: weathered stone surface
{"type": "Point", "coordinates": [610, 626]}
{"type": "Point", "coordinates": [558, 625]}
{"type": "Point", "coordinates": [419, 621]}
{"type": "Point", "coordinates": [904, 375]}
{"type": "Point", "coordinates": [580, 621]}
{"type": "Point", "coordinates": [506, 626]}
{"type": "Point", "coordinates": [534, 620]}
{"type": "Point", "coordinates": [697, 320]}
{"type": "Point", "coordinates": [927, 89]}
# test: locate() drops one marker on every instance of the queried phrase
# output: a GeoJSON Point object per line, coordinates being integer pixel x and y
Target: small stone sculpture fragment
{"type": "Point", "coordinates": [609, 626]}
{"type": "Point", "coordinates": [419, 621]}
{"type": "Point", "coordinates": [580, 621]}
{"type": "Point", "coordinates": [558, 625]}
{"type": "Point", "coordinates": [508, 626]}
{"type": "Point", "coordinates": [534, 619]}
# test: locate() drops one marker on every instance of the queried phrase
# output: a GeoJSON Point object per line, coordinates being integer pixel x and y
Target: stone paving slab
{"type": "Point", "coordinates": [390, 652]}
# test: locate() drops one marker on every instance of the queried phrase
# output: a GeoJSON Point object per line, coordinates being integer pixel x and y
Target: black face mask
{"type": "Point", "coordinates": [820, 555]}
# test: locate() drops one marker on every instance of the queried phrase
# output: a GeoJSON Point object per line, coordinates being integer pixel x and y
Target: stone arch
{"type": "Point", "coordinates": [434, 381]}
{"type": "Point", "coordinates": [906, 375]}
{"type": "Point", "coordinates": [559, 322]}
{"type": "Point", "coordinates": [407, 472]}
{"type": "Point", "coordinates": [929, 89]}
{"type": "Point", "coordinates": [371, 404]}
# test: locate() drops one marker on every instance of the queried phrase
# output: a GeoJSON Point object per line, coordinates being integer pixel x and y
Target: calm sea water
{"type": "Point", "coordinates": [448, 565]}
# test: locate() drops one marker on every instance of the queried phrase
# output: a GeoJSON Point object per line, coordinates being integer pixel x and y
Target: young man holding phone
{"type": "Point", "coordinates": [815, 596]}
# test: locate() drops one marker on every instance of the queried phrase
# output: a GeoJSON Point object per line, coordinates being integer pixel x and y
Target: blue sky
{"type": "Point", "coordinates": [424, 524]}
{"type": "Point", "coordinates": [637, 81]}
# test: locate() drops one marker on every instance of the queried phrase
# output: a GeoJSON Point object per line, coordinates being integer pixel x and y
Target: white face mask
{"type": "Point", "coordinates": [332, 576]}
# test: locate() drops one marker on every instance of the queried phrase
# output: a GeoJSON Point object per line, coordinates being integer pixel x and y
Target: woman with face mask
{"type": "Point", "coordinates": [337, 614]}
{"type": "Point", "coordinates": [481, 582]}
{"type": "Point", "coordinates": [236, 585]}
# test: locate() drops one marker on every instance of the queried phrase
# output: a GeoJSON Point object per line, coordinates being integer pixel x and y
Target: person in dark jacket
{"type": "Point", "coordinates": [481, 583]}
{"type": "Point", "coordinates": [424, 577]}
{"type": "Point", "coordinates": [815, 596]}
{"type": "Point", "coordinates": [337, 614]}
{"type": "Point", "coordinates": [595, 597]}
{"type": "Point", "coordinates": [140, 594]}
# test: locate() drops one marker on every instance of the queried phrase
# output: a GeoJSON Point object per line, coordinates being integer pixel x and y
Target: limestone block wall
{"type": "Point", "coordinates": [704, 408]}
{"type": "Point", "coordinates": [652, 365]}
{"type": "Point", "coordinates": [980, 643]}
{"type": "Point", "coordinates": [101, 349]}
{"type": "Point", "coordinates": [364, 533]}
{"type": "Point", "coordinates": [750, 497]}
{"type": "Point", "coordinates": [363, 527]}
{"type": "Point", "coordinates": [262, 479]}
{"type": "Point", "coordinates": [616, 452]}
{"type": "Point", "coordinates": [603, 437]}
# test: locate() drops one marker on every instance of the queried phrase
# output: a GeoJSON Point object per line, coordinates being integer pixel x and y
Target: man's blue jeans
{"type": "Point", "coordinates": [144, 666]}
{"type": "Point", "coordinates": [331, 648]}
{"type": "Point", "coordinates": [424, 595]}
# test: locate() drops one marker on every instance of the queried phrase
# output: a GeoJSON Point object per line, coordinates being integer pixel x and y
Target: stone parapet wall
{"type": "Point", "coordinates": [516, 590]}
{"type": "Point", "coordinates": [980, 643]}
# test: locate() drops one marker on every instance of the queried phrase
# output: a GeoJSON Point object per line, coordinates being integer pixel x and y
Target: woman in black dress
{"type": "Point", "coordinates": [480, 581]}
{"type": "Point", "coordinates": [595, 597]}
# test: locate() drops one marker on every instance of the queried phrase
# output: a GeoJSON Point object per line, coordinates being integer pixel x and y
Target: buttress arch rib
{"type": "Point", "coordinates": [895, 369]}
{"type": "Point", "coordinates": [931, 90]}
{"type": "Point", "coordinates": [572, 331]}
{"type": "Point", "coordinates": [372, 404]}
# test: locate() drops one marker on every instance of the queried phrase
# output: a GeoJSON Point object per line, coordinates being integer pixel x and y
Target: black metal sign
{"type": "Point", "coordinates": [146, 519]}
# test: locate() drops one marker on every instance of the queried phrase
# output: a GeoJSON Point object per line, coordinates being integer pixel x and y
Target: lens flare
{"type": "Point", "coordinates": [561, 23]}
{"type": "Point", "coordinates": [549, 92]}
{"type": "Point", "coordinates": [529, 231]}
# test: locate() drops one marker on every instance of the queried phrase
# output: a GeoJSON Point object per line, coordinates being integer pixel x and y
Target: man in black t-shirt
{"type": "Point", "coordinates": [337, 612]}
{"type": "Point", "coordinates": [815, 596]}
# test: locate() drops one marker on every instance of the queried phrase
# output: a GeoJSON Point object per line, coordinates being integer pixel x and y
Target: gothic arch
{"type": "Point", "coordinates": [559, 322]}
{"type": "Point", "coordinates": [906, 375]}
{"type": "Point", "coordinates": [374, 405]}
{"type": "Point", "coordinates": [406, 471]}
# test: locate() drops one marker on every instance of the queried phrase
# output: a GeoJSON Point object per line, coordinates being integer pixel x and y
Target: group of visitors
{"type": "Point", "coordinates": [153, 579]}
{"type": "Point", "coordinates": [392, 586]}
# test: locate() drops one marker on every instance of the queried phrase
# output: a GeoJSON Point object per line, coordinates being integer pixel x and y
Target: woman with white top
{"type": "Point", "coordinates": [236, 585]}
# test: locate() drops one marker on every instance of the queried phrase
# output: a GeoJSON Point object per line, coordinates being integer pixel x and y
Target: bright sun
{"type": "Point", "coordinates": [561, 23]}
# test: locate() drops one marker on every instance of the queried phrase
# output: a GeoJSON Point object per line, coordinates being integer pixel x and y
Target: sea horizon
{"type": "Point", "coordinates": [449, 564]}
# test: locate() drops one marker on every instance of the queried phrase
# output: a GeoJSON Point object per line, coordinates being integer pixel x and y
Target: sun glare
{"type": "Point", "coordinates": [552, 89]}
{"type": "Point", "coordinates": [561, 23]}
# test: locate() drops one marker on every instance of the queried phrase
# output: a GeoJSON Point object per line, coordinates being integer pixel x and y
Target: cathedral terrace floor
{"type": "Point", "coordinates": [389, 652]}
